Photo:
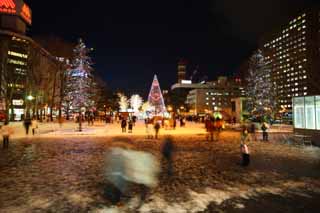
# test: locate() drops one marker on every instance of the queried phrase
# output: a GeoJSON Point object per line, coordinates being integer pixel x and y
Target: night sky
{"type": "Point", "coordinates": [133, 40]}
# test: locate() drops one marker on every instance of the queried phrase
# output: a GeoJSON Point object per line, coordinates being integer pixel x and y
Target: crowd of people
{"type": "Point", "coordinates": [213, 127]}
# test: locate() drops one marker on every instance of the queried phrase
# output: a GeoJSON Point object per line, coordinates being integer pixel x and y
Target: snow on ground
{"type": "Point", "coordinates": [55, 172]}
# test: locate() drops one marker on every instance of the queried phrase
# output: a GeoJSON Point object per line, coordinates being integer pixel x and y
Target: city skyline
{"type": "Point", "coordinates": [130, 48]}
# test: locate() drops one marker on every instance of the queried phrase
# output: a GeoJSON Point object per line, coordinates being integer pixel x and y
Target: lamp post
{"type": "Point", "coordinates": [30, 98]}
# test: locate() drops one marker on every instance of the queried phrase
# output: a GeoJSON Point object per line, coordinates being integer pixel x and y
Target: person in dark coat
{"type": "Point", "coordinates": [130, 126]}
{"type": "Point", "coordinates": [124, 125]}
{"type": "Point", "coordinates": [156, 129]}
{"type": "Point", "coordinates": [27, 123]}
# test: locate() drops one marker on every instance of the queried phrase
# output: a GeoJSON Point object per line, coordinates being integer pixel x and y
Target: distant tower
{"type": "Point", "coordinates": [155, 98]}
{"type": "Point", "coordinates": [182, 70]}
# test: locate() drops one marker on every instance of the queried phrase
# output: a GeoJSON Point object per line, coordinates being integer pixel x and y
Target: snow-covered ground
{"type": "Point", "coordinates": [55, 172]}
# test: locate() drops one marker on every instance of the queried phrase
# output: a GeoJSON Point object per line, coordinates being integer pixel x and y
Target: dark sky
{"type": "Point", "coordinates": [133, 40]}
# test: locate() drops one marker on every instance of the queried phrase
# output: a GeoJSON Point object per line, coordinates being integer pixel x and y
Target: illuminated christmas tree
{"type": "Point", "coordinates": [123, 102]}
{"type": "Point", "coordinates": [136, 102]}
{"type": "Point", "coordinates": [155, 98]}
{"type": "Point", "coordinates": [80, 84]}
{"type": "Point", "coordinates": [260, 89]}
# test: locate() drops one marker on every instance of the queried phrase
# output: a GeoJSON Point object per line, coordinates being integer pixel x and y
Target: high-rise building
{"type": "Point", "coordinates": [292, 52]}
{"type": "Point", "coordinates": [182, 70]}
{"type": "Point", "coordinates": [28, 73]}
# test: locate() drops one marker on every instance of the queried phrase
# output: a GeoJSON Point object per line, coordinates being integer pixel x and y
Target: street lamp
{"type": "Point", "coordinates": [30, 97]}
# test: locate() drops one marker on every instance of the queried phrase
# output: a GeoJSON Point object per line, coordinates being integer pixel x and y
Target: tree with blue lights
{"type": "Point", "coordinates": [80, 84]}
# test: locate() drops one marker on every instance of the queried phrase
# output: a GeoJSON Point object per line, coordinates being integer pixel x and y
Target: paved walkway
{"type": "Point", "coordinates": [69, 129]}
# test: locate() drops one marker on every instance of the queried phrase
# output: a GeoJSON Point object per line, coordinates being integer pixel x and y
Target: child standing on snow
{"type": "Point", "coordinates": [244, 148]}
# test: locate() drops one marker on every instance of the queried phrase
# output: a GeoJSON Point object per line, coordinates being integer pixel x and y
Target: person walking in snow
{"type": "Point", "coordinates": [156, 129]}
{"type": "Point", "coordinates": [26, 124]}
{"type": "Point", "coordinates": [124, 125]}
{"type": "Point", "coordinates": [264, 129]}
{"type": "Point", "coordinates": [244, 148]}
{"type": "Point", "coordinates": [6, 131]}
{"type": "Point", "coordinates": [130, 126]}
{"type": "Point", "coordinates": [34, 125]}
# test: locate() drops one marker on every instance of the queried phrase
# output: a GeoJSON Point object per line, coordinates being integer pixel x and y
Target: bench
{"type": "Point", "coordinates": [303, 139]}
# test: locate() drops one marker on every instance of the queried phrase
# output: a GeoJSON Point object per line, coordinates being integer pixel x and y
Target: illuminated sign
{"type": "Point", "coordinates": [186, 82]}
{"type": "Point", "coordinates": [17, 102]}
{"type": "Point", "coordinates": [7, 6]}
{"type": "Point", "coordinates": [26, 13]}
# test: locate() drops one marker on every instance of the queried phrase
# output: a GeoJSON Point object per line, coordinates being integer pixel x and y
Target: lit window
{"type": "Point", "coordinates": [12, 61]}
{"type": "Point", "coordinates": [21, 55]}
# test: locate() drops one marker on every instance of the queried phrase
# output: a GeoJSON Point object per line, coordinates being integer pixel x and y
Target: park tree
{"type": "Point", "coordinates": [123, 102]}
{"type": "Point", "coordinates": [79, 87]}
{"type": "Point", "coordinates": [136, 102]}
{"type": "Point", "coordinates": [260, 89]}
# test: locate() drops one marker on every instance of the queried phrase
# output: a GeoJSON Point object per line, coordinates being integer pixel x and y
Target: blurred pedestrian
{"type": "Point", "coordinates": [26, 124]}
{"type": "Point", "coordinates": [209, 124]}
{"type": "Point", "coordinates": [244, 147]}
{"type": "Point", "coordinates": [167, 152]}
{"type": "Point", "coordinates": [130, 126]}
{"type": "Point", "coordinates": [148, 128]}
{"type": "Point", "coordinates": [181, 122]}
{"type": "Point", "coordinates": [124, 125]}
{"type": "Point", "coordinates": [156, 129]}
{"type": "Point", "coordinates": [6, 131]}
{"type": "Point", "coordinates": [60, 120]}
{"type": "Point", "coordinates": [218, 126]}
{"type": "Point", "coordinates": [253, 132]}
{"type": "Point", "coordinates": [234, 120]}
{"type": "Point", "coordinates": [34, 125]}
{"type": "Point", "coordinates": [264, 129]}
{"type": "Point", "coordinates": [127, 168]}
{"type": "Point", "coordinates": [134, 120]}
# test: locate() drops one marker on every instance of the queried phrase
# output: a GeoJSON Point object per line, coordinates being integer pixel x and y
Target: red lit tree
{"type": "Point", "coordinates": [155, 98]}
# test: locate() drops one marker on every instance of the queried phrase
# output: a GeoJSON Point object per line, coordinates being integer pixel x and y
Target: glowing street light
{"type": "Point", "coordinates": [30, 97]}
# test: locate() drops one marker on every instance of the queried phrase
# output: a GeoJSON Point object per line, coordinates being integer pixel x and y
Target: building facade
{"type": "Point", "coordinates": [292, 52]}
{"type": "Point", "coordinates": [29, 80]}
{"type": "Point", "coordinates": [216, 96]}
{"type": "Point", "coordinates": [182, 70]}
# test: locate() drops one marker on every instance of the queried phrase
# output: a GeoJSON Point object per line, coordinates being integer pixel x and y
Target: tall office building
{"type": "Point", "coordinates": [292, 52]}
{"type": "Point", "coordinates": [182, 70]}
{"type": "Point", "coordinates": [27, 71]}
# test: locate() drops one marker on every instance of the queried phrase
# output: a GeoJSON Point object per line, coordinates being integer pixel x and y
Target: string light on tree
{"type": "Point", "coordinates": [260, 89]}
{"type": "Point", "coordinates": [78, 89]}
{"type": "Point", "coordinates": [136, 103]}
{"type": "Point", "coordinates": [155, 98]}
{"type": "Point", "coordinates": [123, 102]}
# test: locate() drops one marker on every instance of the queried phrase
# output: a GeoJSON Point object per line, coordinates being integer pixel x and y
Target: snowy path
{"type": "Point", "coordinates": [66, 175]}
